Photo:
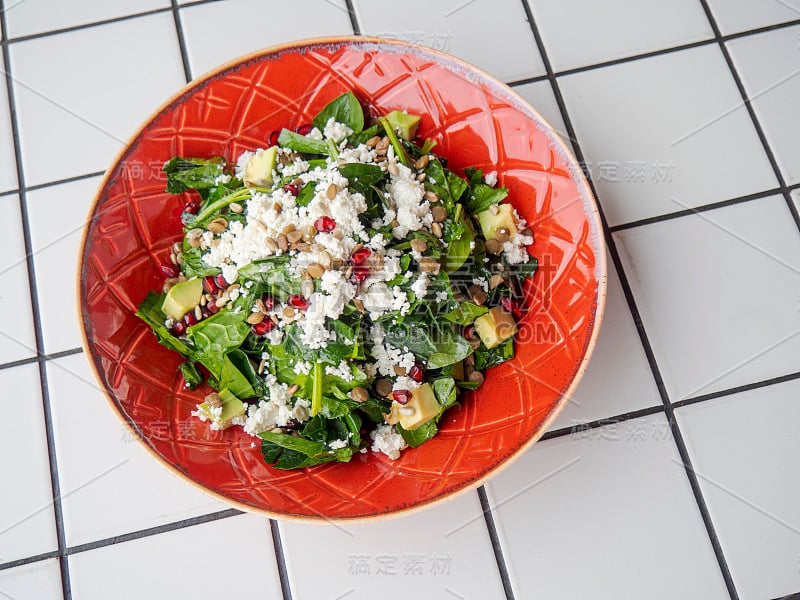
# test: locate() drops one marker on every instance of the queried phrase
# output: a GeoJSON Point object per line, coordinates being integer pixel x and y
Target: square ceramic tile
{"type": "Point", "coordinates": [656, 133]}
{"type": "Point", "coordinates": [27, 523]}
{"type": "Point", "coordinates": [75, 118]}
{"type": "Point", "coordinates": [719, 294]}
{"type": "Point", "coordinates": [17, 338]}
{"type": "Point", "coordinates": [443, 552]}
{"type": "Point", "coordinates": [229, 558]}
{"type": "Point", "coordinates": [769, 65]}
{"type": "Point", "coordinates": [540, 96]}
{"type": "Point", "coordinates": [746, 452]}
{"type": "Point", "coordinates": [607, 513]}
{"type": "Point", "coordinates": [58, 215]}
{"type": "Point", "coordinates": [8, 162]}
{"type": "Point", "coordinates": [36, 16]}
{"type": "Point", "coordinates": [221, 31]}
{"type": "Point", "coordinates": [103, 470]}
{"type": "Point", "coordinates": [495, 36]}
{"type": "Point", "coordinates": [619, 378]}
{"type": "Point", "coordinates": [733, 15]}
{"type": "Point", "coordinates": [582, 32]}
{"type": "Point", "coordinates": [39, 580]}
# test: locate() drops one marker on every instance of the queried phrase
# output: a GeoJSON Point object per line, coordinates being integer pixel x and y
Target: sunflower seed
{"type": "Point", "coordinates": [439, 213]}
{"type": "Point", "coordinates": [419, 245]}
{"type": "Point", "coordinates": [218, 225]}
{"type": "Point", "coordinates": [236, 207]}
{"type": "Point", "coordinates": [422, 162]}
{"type": "Point", "coordinates": [255, 318]}
{"type": "Point", "coordinates": [436, 229]}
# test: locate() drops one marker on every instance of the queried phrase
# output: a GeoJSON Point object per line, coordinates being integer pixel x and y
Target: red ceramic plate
{"type": "Point", "coordinates": [477, 121]}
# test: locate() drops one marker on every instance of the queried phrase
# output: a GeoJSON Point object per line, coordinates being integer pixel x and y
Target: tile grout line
{"type": "Point", "coordinates": [598, 423]}
{"type": "Point", "coordinates": [280, 560]}
{"type": "Point", "coordinates": [126, 537]}
{"type": "Point", "coordinates": [497, 548]}
{"type": "Point", "coordinates": [737, 390]}
{"type": "Point", "coordinates": [110, 21]}
{"type": "Point", "coordinates": [58, 513]}
{"type": "Point", "coordinates": [40, 358]}
{"type": "Point", "coordinates": [176, 15]}
{"type": "Point", "coordinates": [628, 293]}
{"type": "Point", "coordinates": [351, 12]}
{"type": "Point", "coordinates": [751, 111]}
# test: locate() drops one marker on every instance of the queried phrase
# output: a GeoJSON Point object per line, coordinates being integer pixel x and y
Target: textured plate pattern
{"type": "Point", "coordinates": [476, 122]}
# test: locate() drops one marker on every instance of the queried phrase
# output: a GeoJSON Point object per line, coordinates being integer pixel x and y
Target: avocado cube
{"type": "Point", "coordinates": [258, 170]}
{"type": "Point", "coordinates": [495, 326]}
{"type": "Point", "coordinates": [421, 407]}
{"type": "Point", "coordinates": [492, 222]}
{"type": "Point", "coordinates": [232, 407]}
{"type": "Point", "coordinates": [181, 298]}
{"type": "Point", "coordinates": [404, 124]}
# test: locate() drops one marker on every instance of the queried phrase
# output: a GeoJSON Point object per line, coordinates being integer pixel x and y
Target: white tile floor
{"type": "Point", "coordinates": [607, 512]}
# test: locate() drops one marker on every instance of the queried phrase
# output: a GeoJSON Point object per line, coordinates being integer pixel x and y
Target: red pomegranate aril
{"type": "Point", "coordinates": [511, 306]}
{"type": "Point", "coordinates": [292, 189]}
{"type": "Point", "coordinates": [416, 373]}
{"type": "Point", "coordinates": [179, 328]}
{"type": "Point", "coordinates": [192, 207]}
{"type": "Point", "coordinates": [264, 327]}
{"type": "Point", "coordinates": [212, 308]}
{"type": "Point", "coordinates": [360, 256]}
{"type": "Point", "coordinates": [169, 270]}
{"type": "Point", "coordinates": [298, 301]}
{"type": "Point", "coordinates": [190, 319]}
{"type": "Point", "coordinates": [221, 282]}
{"type": "Point", "coordinates": [273, 138]}
{"type": "Point", "coordinates": [360, 273]}
{"type": "Point", "coordinates": [325, 224]}
{"type": "Point", "coordinates": [205, 311]}
{"type": "Point", "coordinates": [210, 285]}
{"type": "Point", "coordinates": [304, 129]}
{"type": "Point", "coordinates": [269, 302]}
{"type": "Point", "coordinates": [401, 396]}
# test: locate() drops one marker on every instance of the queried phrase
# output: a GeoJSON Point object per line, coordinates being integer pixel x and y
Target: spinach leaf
{"type": "Point", "coordinates": [444, 348]}
{"type": "Point", "coordinates": [231, 378]}
{"type": "Point", "coordinates": [445, 390]}
{"type": "Point", "coordinates": [150, 312]}
{"type": "Point", "coordinates": [306, 195]}
{"type": "Point", "coordinates": [302, 143]}
{"type": "Point", "coordinates": [193, 265]}
{"type": "Point", "coordinates": [191, 374]}
{"type": "Point", "coordinates": [458, 251]}
{"type": "Point", "coordinates": [466, 313]}
{"type": "Point", "coordinates": [450, 348]}
{"type": "Point", "coordinates": [420, 435]}
{"type": "Point", "coordinates": [361, 177]}
{"type": "Point", "coordinates": [217, 335]}
{"type": "Point", "coordinates": [192, 173]}
{"type": "Point", "coordinates": [486, 358]}
{"type": "Point", "coordinates": [289, 452]}
{"type": "Point", "coordinates": [457, 185]}
{"type": "Point", "coordinates": [345, 109]}
{"type": "Point", "coordinates": [481, 197]}
{"type": "Point", "coordinates": [374, 409]}
{"type": "Point", "coordinates": [362, 136]}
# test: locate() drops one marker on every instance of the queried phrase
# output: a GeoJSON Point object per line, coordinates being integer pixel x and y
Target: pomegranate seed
{"type": "Point", "coordinates": [192, 207]}
{"type": "Point", "coordinates": [220, 281]}
{"type": "Point", "coordinates": [210, 285]}
{"type": "Point", "coordinates": [273, 138]}
{"type": "Point", "coordinates": [325, 224]}
{"type": "Point", "coordinates": [401, 396]}
{"type": "Point", "coordinates": [169, 270]}
{"type": "Point", "coordinates": [264, 327]}
{"type": "Point", "coordinates": [416, 373]}
{"type": "Point", "coordinates": [269, 302]}
{"type": "Point", "coordinates": [179, 328]}
{"type": "Point", "coordinates": [190, 319]}
{"type": "Point", "coordinates": [206, 311]}
{"type": "Point", "coordinates": [212, 308]}
{"type": "Point", "coordinates": [511, 306]}
{"type": "Point", "coordinates": [292, 189]}
{"type": "Point", "coordinates": [304, 129]}
{"type": "Point", "coordinates": [361, 273]}
{"type": "Point", "coordinates": [360, 256]}
{"type": "Point", "coordinates": [298, 301]}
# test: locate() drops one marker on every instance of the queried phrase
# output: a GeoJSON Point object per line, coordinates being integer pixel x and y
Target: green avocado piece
{"type": "Point", "coordinates": [232, 407]}
{"type": "Point", "coordinates": [181, 298]}
{"type": "Point", "coordinates": [258, 171]}
{"type": "Point", "coordinates": [491, 222]}
{"type": "Point", "coordinates": [405, 124]}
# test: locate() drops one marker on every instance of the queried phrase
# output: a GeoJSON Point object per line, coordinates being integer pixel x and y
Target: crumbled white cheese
{"type": "Point", "coordinates": [387, 356]}
{"type": "Point", "coordinates": [303, 367]}
{"type": "Point", "coordinates": [386, 439]}
{"type": "Point", "coordinates": [223, 178]}
{"type": "Point", "coordinates": [336, 131]}
{"type": "Point", "coordinates": [295, 168]}
{"type": "Point", "coordinates": [314, 134]}
{"type": "Point", "coordinates": [275, 410]}
{"type": "Point", "coordinates": [343, 371]}
{"type": "Point", "coordinates": [490, 179]}
{"type": "Point", "coordinates": [420, 286]}
{"type": "Point", "coordinates": [405, 383]}
{"type": "Point", "coordinates": [337, 444]}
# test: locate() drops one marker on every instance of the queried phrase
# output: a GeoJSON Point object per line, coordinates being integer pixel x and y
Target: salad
{"type": "Point", "coordinates": [339, 288]}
